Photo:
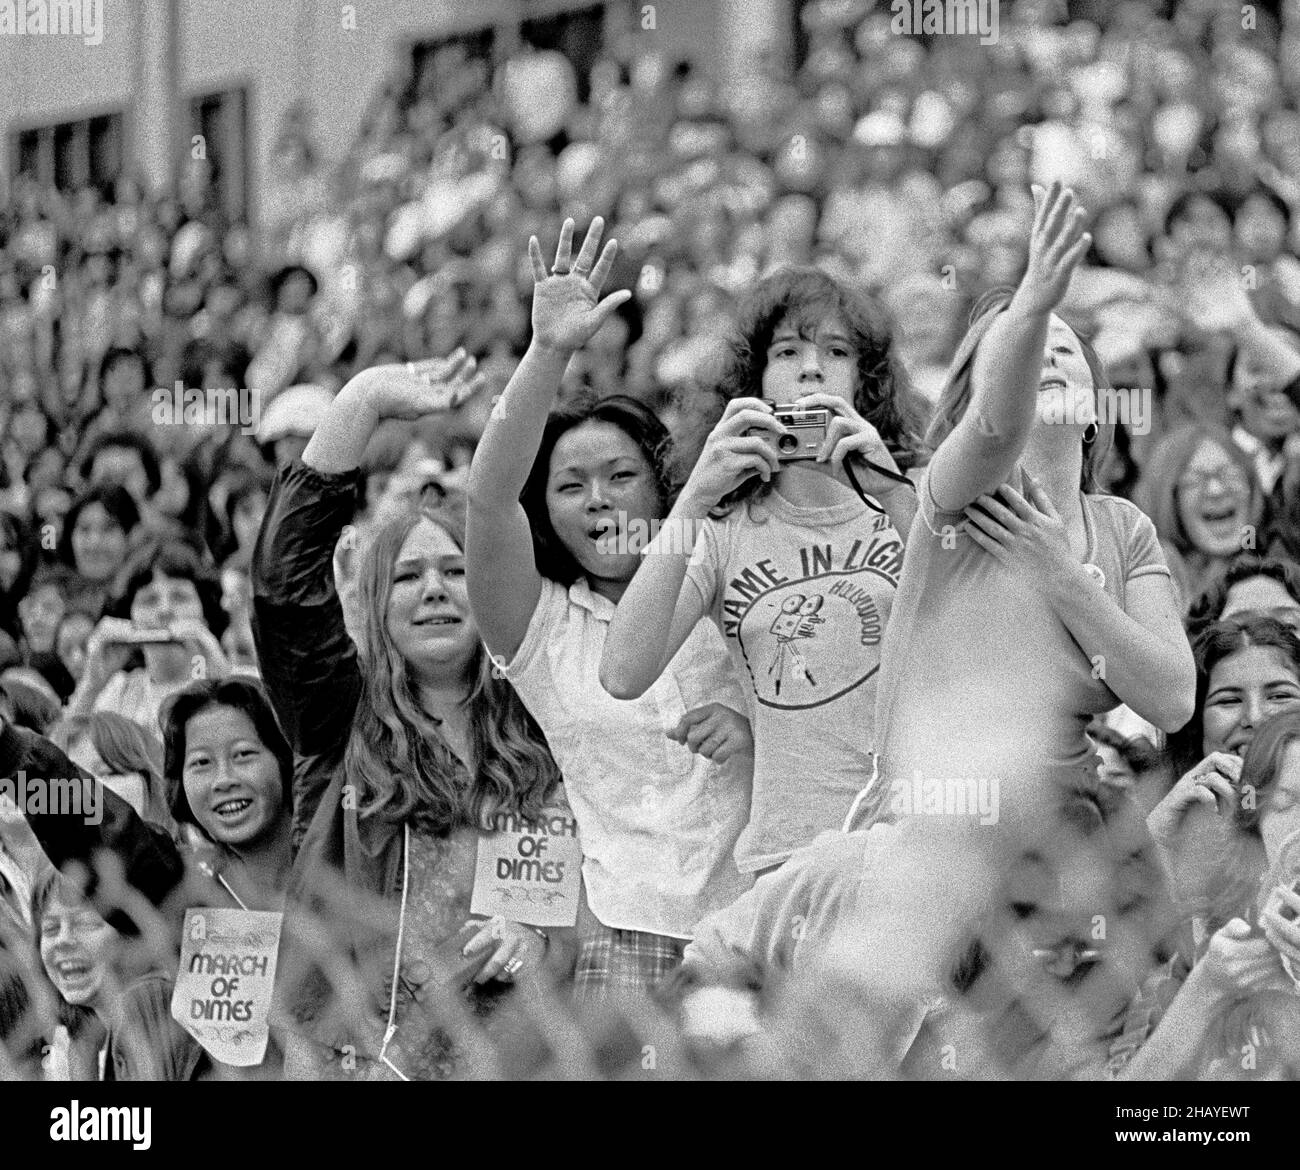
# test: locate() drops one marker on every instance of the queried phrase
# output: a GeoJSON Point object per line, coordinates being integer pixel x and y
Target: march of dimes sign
{"type": "Point", "coordinates": [530, 871]}
{"type": "Point", "coordinates": [225, 982]}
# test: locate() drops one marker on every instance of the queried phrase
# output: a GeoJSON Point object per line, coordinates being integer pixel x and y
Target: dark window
{"type": "Point", "coordinates": [222, 120]}
{"type": "Point", "coordinates": [72, 155]}
{"type": "Point", "coordinates": [578, 34]}
{"type": "Point", "coordinates": [433, 61]}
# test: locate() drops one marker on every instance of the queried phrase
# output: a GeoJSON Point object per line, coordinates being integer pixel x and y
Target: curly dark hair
{"type": "Point", "coordinates": [806, 298]}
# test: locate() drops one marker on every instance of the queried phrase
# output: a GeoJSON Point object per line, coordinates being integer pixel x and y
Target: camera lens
{"type": "Point", "coordinates": [787, 443]}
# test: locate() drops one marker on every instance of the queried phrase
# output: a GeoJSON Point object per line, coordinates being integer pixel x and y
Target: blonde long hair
{"type": "Point", "coordinates": [396, 756]}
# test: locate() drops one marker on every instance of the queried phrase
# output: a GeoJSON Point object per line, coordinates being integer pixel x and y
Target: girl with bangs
{"type": "Point", "coordinates": [795, 560]}
{"type": "Point", "coordinates": [561, 502]}
{"type": "Point", "coordinates": [1239, 996]}
{"type": "Point", "coordinates": [1247, 673]}
{"type": "Point", "coordinates": [1027, 606]}
{"type": "Point", "coordinates": [407, 748]}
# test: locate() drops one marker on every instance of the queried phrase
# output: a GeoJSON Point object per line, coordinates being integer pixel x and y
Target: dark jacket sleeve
{"type": "Point", "coordinates": [149, 858]}
{"type": "Point", "coordinates": [307, 661]}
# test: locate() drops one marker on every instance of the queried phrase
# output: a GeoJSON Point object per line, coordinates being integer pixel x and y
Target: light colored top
{"type": "Point", "coordinates": [802, 596]}
{"type": "Point", "coordinates": [981, 680]}
{"type": "Point", "coordinates": [133, 694]}
{"type": "Point", "coordinates": [792, 913]}
{"type": "Point", "coordinates": [658, 824]}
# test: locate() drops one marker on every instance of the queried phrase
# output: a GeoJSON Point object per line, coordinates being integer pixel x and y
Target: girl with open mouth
{"type": "Point", "coordinates": [1029, 603]}
{"type": "Point", "coordinates": [1201, 491]}
{"type": "Point", "coordinates": [559, 500]}
{"type": "Point", "coordinates": [116, 1004]}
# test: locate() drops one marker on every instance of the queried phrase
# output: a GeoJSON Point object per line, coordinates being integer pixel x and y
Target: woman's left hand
{"type": "Point", "coordinates": [850, 434]}
{"type": "Point", "coordinates": [1029, 536]}
{"type": "Point", "coordinates": [1283, 933]}
{"type": "Point", "coordinates": [514, 949]}
{"type": "Point", "coordinates": [201, 642]}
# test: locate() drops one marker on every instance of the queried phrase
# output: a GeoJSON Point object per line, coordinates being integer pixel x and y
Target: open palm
{"type": "Point", "coordinates": [567, 309]}
{"type": "Point", "coordinates": [413, 390]}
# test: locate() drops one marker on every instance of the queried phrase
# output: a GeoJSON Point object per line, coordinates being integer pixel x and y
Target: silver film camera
{"type": "Point", "coordinates": [805, 428]}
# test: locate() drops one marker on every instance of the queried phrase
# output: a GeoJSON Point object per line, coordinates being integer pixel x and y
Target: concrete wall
{"type": "Point", "coordinates": [281, 50]}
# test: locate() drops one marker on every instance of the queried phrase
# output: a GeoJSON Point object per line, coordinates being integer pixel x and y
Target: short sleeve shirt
{"type": "Point", "coordinates": [658, 824]}
{"type": "Point", "coordinates": [802, 597]}
{"type": "Point", "coordinates": [980, 677]}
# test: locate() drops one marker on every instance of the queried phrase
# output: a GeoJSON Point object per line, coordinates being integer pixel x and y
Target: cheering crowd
{"type": "Point", "coordinates": [862, 590]}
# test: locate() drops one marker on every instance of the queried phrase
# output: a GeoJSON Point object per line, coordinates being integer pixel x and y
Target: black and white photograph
{"type": "Point", "coordinates": [706, 541]}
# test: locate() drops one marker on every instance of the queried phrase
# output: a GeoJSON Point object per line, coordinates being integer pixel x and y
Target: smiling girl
{"type": "Point", "coordinates": [409, 748]}
{"type": "Point", "coordinates": [793, 562]}
{"type": "Point", "coordinates": [92, 967]}
{"type": "Point", "coordinates": [1248, 670]}
{"type": "Point", "coordinates": [231, 776]}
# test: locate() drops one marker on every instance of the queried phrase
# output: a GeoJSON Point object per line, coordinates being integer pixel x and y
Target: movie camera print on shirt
{"type": "Point", "coordinates": [809, 638]}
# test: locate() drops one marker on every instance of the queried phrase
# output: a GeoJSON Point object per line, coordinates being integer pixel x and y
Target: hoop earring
{"type": "Point", "coordinates": [1094, 428]}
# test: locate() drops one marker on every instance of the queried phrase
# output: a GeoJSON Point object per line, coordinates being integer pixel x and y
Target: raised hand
{"type": "Point", "coordinates": [1212, 783]}
{"type": "Point", "coordinates": [1056, 245]}
{"type": "Point", "coordinates": [733, 453]}
{"type": "Point", "coordinates": [412, 390]}
{"type": "Point", "coordinates": [109, 647]}
{"type": "Point", "coordinates": [567, 309]}
{"type": "Point", "coordinates": [1240, 963]}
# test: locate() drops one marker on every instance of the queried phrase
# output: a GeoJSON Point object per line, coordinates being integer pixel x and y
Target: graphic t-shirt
{"type": "Point", "coordinates": [802, 596]}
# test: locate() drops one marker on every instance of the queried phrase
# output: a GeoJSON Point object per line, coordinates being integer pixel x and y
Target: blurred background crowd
{"type": "Point", "coordinates": [901, 164]}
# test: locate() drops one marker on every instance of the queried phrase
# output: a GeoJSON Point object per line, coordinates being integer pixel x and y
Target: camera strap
{"type": "Point", "coordinates": [884, 471]}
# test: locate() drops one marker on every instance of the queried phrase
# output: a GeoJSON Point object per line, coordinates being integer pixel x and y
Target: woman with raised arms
{"type": "Point", "coordinates": [1028, 604]}
{"type": "Point", "coordinates": [659, 786]}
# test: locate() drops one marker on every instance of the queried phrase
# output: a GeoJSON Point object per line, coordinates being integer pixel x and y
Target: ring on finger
{"type": "Point", "coordinates": [513, 967]}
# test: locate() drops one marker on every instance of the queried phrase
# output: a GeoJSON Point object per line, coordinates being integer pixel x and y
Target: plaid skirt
{"type": "Point", "coordinates": [614, 963]}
